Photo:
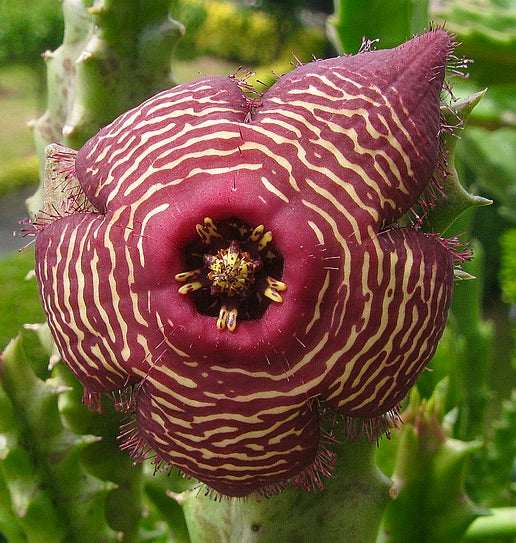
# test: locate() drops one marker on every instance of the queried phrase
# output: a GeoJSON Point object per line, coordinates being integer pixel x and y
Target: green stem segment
{"type": "Point", "coordinates": [349, 509]}
{"type": "Point", "coordinates": [500, 523]}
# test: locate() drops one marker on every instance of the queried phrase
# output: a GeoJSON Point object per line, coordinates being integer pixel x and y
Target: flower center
{"type": "Point", "coordinates": [231, 271]}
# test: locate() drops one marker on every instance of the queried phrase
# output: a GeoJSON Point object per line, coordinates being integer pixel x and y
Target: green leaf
{"type": "Point", "coordinates": [508, 266]}
{"type": "Point", "coordinates": [501, 523]}
{"type": "Point", "coordinates": [486, 31]}
{"type": "Point", "coordinates": [490, 154]}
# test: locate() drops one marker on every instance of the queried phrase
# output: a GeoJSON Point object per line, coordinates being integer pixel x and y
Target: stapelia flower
{"type": "Point", "coordinates": [236, 263]}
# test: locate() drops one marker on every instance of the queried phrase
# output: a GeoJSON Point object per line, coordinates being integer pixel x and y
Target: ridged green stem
{"type": "Point", "coordinates": [348, 510]}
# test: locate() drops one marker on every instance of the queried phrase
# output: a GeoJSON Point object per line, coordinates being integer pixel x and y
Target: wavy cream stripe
{"type": "Point", "coordinates": [425, 343]}
{"type": "Point", "coordinates": [331, 221]}
{"type": "Point", "coordinates": [141, 152]}
{"type": "Point", "coordinates": [257, 435]}
{"type": "Point", "coordinates": [111, 282]}
{"type": "Point", "coordinates": [134, 208]}
{"type": "Point", "coordinates": [317, 231]}
{"type": "Point", "coordinates": [317, 309]}
{"type": "Point", "coordinates": [343, 160]}
{"type": "Point", "coordinates": [361, 112]}
{"type": "Point", "coordinates": [167, 419]}
{"type": "Point", "coordinates": [83, 305]}
{"type": "Point", "coordinates": [237, 473]}
{"type": "Point", "coordinates": [207, 454]}
{"type": "Point", "coordinates": [385, 321]}
{"type": "Point", "coordinates": [93, 263]}
{"type": "Point", "coordinates": [381, 95]}
{"type": "Point", "coordinates": [327, 195]}
{"type": "Point", "coordinates": [173, 394]}
{"type": "Point", "coordinates": [420, 328]}
{"type": "Point", "coordinates": [83, 359]}
{"type": "Point", "coordinates": [273, 190]}
{"type": "Point", "coordinates": [371, 397]}
{"type": "Point", "coordinates": [380, 253]}
{"type": "Point", "coordinates": [179, 379]}
{"type": "Point", "coordinates": [257, 417]}
{"type": "Point", "coordinates": [302, 389]}
{"type": "Point", "coordinates": [374, 153]}
{"type": "Point", "coordinates": [345, 265]}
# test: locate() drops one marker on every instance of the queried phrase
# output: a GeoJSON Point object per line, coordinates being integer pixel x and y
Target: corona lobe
{"type": "Point", "coordinates": [236, 263]}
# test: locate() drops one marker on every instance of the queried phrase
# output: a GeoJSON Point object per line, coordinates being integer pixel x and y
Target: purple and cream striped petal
{"type": "Point", "coordinates": [241, 269]}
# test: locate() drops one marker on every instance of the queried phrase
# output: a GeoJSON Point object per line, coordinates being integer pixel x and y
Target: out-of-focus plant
{"type": "Point", "coordinates": [226, 30]}
{"type": "Point", "coordinates": [27, 29]}
{"type": "Point", "coordinates": [253, 36]}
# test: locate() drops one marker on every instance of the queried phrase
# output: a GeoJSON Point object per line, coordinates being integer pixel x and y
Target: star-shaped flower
{"type": "Point", "coordinates": [236, 263]}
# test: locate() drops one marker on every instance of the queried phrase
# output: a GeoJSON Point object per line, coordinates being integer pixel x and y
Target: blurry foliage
{"type": "Point", "coordinates": [388, 22]}
{"type": "Point", "coordinates": [254, 34]}
{"type": "Point", "coordinates": [508, 266]}
{"type": "Point", "coordinates": [28, 28]}
{"type": "Point", "coordinates": [302, 44]}
{"type": "Point", "coordinates": [242, 34]}
{"type": "Point", "coordinates": [19, 302]}
{"type": "Point", "coordinates": [487, 32]}
{"type": "Point", "coordinates": [18, 173]}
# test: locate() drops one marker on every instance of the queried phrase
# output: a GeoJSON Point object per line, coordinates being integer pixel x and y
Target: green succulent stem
{"type": "Point", "coordinates": [52, 499]}
{"type": "Point", "coordinates": [500, 523]}
{"type": "Point", "coordinates": [348, 510]}
{"type": "Point", "coordinates": [430, 505]}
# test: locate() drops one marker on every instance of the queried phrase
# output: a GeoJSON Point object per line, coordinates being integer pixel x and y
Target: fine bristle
{"type": "Point", "coordinates": [372, 428]}
{"type": "Point", "coordinates": [93, 400]}
{"type": "Point", "coordinates": [132, 441]}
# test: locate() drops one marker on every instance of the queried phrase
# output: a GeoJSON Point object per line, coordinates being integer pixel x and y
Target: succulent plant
{"type": "Point", "coordinates": [237, 270]}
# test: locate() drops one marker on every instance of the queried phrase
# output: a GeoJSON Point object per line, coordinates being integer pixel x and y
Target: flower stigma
{"type": "Point", "coordinates": [232, 271]}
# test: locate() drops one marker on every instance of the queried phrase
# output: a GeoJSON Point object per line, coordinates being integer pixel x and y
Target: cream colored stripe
{"type": "Point", "coordinates": [326, 145]}
{"type": "Point", "coordinates": [83, 359]}
{"type": "Point", "coordinates": [134, 208]}
{"type": "Point", "coordinates": [122, 331]}
{"type": "Point", "coordinates": [172, 393]}
{"type": "Point", "coordinates": [327, 195]}
{"type": "Point", "coordinates": [252, 417]}
{"type": "Point", "coordinates": [271, 188]}
{"type": "Point", "coordinates": [317, 231]}
{"type": "Point", "coordinates": [84, 304]}
{"type": "Point", "coordinates": [317, 309]}
{"type": "Point", "coordinates": [290, 372]}
{"type": "Point", "coordinates": [179, 379]}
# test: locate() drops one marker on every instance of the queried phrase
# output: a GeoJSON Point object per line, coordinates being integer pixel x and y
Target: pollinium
{"type": "Point", "coordinates": [233, 264]}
